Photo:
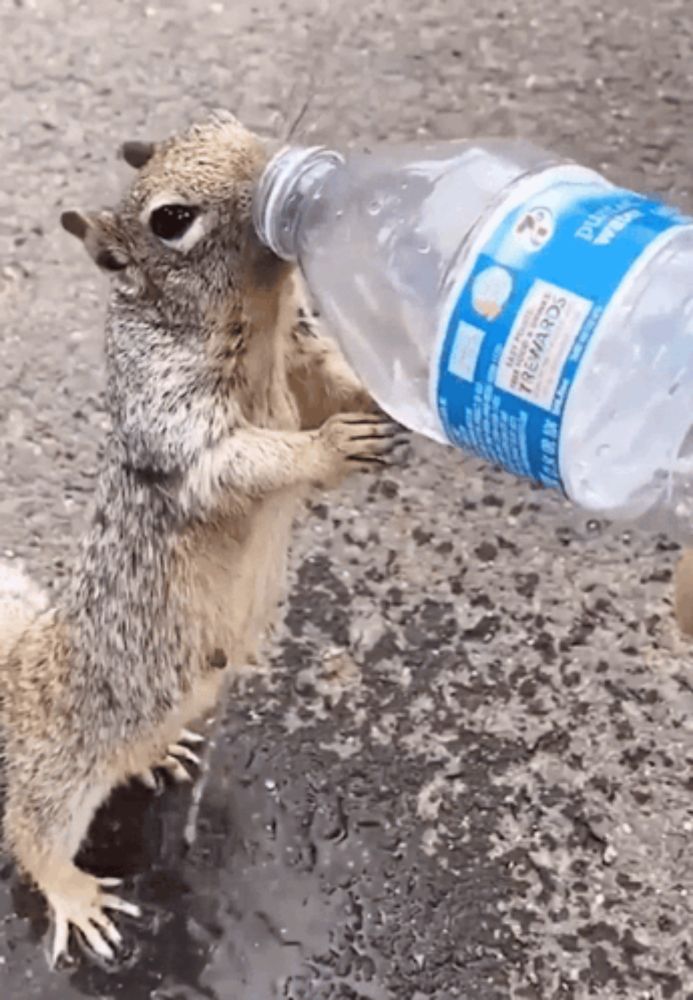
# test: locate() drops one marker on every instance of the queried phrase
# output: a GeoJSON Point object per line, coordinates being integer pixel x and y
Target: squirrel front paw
{"type": "Point", "coordinates": [351, 441]}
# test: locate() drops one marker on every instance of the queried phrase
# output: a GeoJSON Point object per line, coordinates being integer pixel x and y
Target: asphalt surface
{"type": "Point", "coordinates": [466, 769]}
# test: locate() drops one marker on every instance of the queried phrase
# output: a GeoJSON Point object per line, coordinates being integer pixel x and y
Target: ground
{"type": "Point", "coordinates": [466, 773]}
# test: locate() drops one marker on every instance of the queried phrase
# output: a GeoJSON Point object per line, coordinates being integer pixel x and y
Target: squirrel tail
{"type": "Point", "coordinates": [21, 600]}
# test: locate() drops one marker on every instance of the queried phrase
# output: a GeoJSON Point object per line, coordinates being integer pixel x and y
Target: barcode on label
{"type": "Point", "coordinates": [465, 352]}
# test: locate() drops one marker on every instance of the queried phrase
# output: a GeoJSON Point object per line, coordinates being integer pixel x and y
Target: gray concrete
{"type": "Point", "coordinates": [467, 772]}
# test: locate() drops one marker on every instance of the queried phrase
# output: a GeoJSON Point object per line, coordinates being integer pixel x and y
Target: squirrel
{"type": "Point", "coordinates": [226, 406]}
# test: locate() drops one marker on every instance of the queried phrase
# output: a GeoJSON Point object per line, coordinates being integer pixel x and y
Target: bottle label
{"type": "Point", "coordinates": [536, 284]}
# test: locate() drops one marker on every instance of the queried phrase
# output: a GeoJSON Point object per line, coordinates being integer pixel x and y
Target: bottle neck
{"type": "Point", "coordinates": [292, 176]}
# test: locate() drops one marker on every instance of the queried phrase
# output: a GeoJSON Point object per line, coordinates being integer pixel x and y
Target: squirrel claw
{"type": "Point", "coordinates": [183, 753]}
{"type": "Point", "coordinates": [61, 935]}
{"type": "Point", "coordinates": [148, 779]}
{"type": "Point", "coordinates": [174, 767]}
{"type": "Point", "coordinates": [110, 883]}
{"type": "Point", "coordinates": [188, 736]}
{"type": "Point", "coordinates": [173, 761]}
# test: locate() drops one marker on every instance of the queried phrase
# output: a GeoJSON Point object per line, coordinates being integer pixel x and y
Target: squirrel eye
{"type": "Point", "coordinates": [169, 222]}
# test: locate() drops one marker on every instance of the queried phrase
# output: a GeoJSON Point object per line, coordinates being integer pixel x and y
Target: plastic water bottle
{"type": "Point", "coordinates": [496, 297]}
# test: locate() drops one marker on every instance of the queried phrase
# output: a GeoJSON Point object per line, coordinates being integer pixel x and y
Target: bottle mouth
{"type": "Point", "coordinates": [278, 192]}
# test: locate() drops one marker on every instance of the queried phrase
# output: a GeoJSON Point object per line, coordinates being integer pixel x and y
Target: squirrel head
{"type": "Point", "coordinates": [182, 236]}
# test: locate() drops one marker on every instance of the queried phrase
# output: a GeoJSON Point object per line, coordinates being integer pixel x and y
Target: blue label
{"type": "Point", "coordinates": [533, 296]}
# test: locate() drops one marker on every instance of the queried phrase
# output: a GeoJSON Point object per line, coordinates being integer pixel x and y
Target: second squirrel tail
{"type": "Point", "coordinates": [21, 600]}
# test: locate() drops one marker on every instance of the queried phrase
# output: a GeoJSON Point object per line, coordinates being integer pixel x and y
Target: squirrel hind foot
{"type": "Point", "coordinates": [80, 905]}
{"type": "Point", "coordinates": [175, 762]}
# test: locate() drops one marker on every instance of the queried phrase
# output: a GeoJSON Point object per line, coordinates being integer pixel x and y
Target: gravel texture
{"type": "Point", "coordinates": [466, 770]}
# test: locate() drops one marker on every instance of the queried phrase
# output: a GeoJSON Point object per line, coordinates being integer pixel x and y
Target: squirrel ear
{"type": "Point", "coordinates": [75, 223]}
{"type": "Point", "coordinates": [136, 154]}
{"type": "Point", "coordinates": [99, 233]}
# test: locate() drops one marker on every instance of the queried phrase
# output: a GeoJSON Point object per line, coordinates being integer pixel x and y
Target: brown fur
{"type": "Point", "coordinates": [226, 408]}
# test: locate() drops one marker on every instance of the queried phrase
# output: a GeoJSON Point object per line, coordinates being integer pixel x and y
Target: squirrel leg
{"type": "Point", "coordinates": [177, 750]}
{"type": "Point", "coordinates": [321, 379]}
{"type": "Point", "coordinates": [44, 841]}
{"type": "Point", "coordinates": [254, 462]}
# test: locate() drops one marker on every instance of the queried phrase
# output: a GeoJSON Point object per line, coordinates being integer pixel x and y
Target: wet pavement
{"type": "Point", "coordinates": [465, 769]}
